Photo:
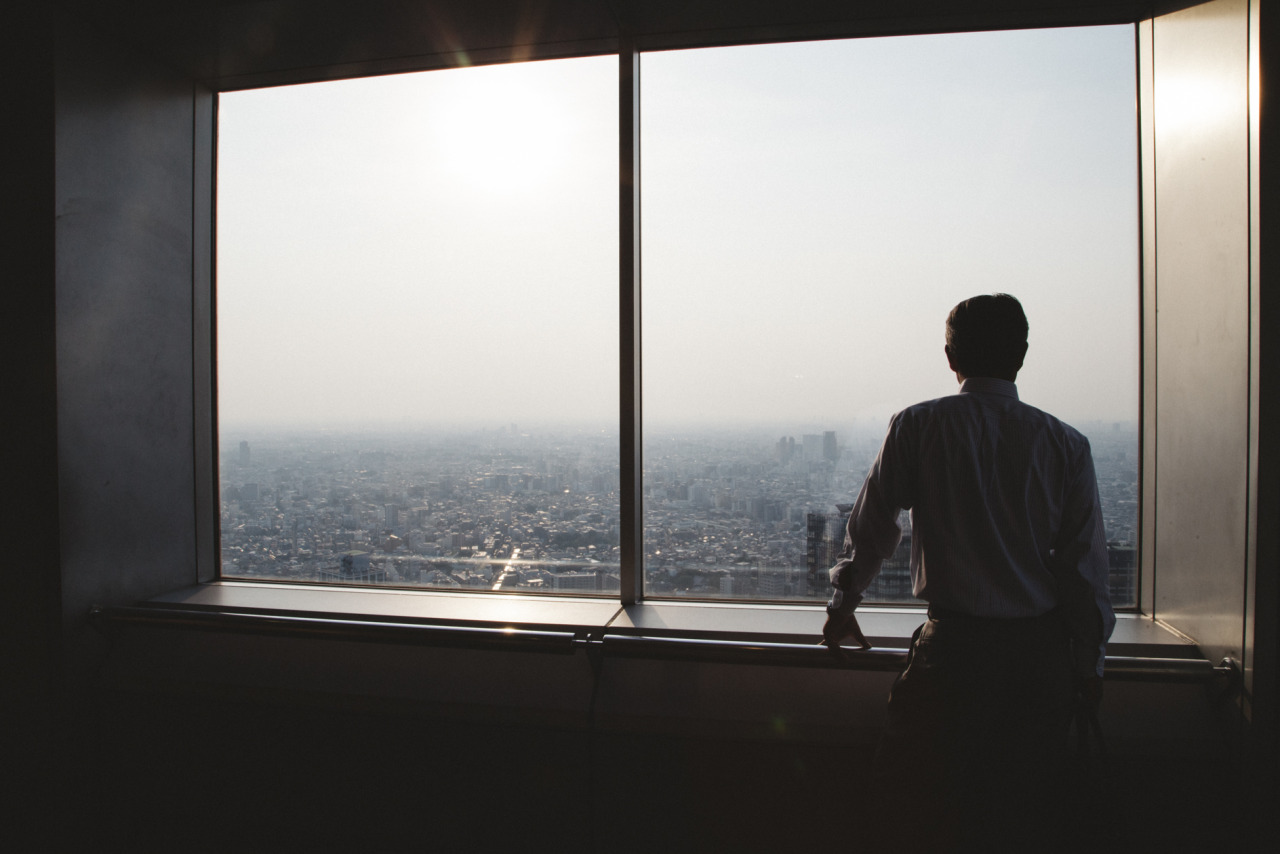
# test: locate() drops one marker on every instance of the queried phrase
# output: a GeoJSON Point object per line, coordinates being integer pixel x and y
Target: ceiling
{"type": "Point", "coordinates": [232, 44]}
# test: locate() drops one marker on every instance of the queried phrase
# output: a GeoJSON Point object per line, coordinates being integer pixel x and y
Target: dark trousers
{"type": "Point", "coordinates": [973, 757]}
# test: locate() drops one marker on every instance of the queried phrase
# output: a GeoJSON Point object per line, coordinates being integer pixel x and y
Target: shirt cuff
{"type": "Point", "coordinates": [842, 603]}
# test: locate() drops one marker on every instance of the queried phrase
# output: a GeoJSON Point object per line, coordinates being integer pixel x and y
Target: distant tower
{"type": "Point", "coordinates": [773, 584]}
{"type": "Point", "coordinates": [830, 452]}
{"type": "Point", "coordinates": [244, 453]}
{"type": "Point", "coordinates": [1122, 574]}
{"type": "Point", "coordinates": [823, 543]}
{"type": "Point", "coordinates": [893, 583]}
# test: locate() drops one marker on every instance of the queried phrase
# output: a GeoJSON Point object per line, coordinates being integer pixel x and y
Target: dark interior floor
{"type": "Point", "coordinates": [144, 772]}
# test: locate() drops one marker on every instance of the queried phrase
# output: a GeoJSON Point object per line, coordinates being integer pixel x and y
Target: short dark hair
{"type": "Point", "coordinates": [987, 335]}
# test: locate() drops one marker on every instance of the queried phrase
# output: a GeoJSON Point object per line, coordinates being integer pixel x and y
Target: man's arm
{"type": "Point", "coordinates": [871, 536]}
{"type": "Point", "coordinates": [1080, 563]}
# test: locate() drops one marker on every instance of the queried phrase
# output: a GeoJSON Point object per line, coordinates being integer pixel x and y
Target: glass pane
{"type": "Point", "coordinates": [812, 212]}
{"type": "Point", "coordinates": [417, 347]}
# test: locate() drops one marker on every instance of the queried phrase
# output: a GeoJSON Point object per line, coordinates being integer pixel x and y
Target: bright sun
{"type": "Point", "coordinates": [498, 131]}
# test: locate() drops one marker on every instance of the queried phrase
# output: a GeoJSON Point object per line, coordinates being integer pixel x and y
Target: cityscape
{"type": "Point", "coordinates": [729, 514]}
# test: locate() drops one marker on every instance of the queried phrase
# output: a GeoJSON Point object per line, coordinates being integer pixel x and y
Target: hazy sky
{"type": "Point", "coordinates": [442, 247]}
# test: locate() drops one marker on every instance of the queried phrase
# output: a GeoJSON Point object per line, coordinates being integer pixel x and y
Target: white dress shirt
{"type": "Point", "coordinates": [1005, 516]}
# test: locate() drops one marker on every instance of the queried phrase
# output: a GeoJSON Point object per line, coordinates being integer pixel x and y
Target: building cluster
{"type": "Point", "coordinates": [728, 515]}
{"type": "Point", "coordinates": [486, 511]}
{"type": "Point", "coordinates": [726, 518]}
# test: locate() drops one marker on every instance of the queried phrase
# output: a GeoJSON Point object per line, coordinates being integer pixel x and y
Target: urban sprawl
{"type": "Point", "coordinates": [741, 515]}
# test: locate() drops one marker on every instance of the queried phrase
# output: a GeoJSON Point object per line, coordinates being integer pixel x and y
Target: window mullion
{"type": "Point", "coordinates": [631, 505]}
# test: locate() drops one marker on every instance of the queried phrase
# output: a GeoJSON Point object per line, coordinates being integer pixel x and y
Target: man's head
{"type": "Point", "coordinates": [987, 337]}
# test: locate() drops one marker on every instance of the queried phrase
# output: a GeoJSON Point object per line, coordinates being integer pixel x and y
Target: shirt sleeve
{"type": "Point", "coordinates": [873, 532]}
{"type": "Point", "coordinates": [1080, 563]}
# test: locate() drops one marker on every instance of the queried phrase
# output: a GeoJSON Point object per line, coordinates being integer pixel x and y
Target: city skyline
{"type": "Point", "coordinates": [729, 515]}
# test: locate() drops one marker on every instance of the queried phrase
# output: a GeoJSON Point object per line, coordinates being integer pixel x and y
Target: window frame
{"type": "Point", "coordinates": [630, 403]}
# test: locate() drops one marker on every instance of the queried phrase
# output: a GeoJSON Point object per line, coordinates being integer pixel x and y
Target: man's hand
{"type": "Point", "coordinates": [841, 626]}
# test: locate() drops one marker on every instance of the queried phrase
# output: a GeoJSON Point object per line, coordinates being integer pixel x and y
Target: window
{"type": "Point", "coordinates": [417, 302]}
{"type": "Point", "coordinates": [417, 363]}
{"type": "Point", "coordinates": [811, 213]}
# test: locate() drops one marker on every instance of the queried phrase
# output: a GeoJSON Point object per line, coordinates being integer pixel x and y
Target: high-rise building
{"type": "Point", "coordinates": [772, 584]}
{"type": "Point", "coordinates": [1122, 573]}
{"type": "Point", "coordinates": [823, 541]}
{"type": "Point", "coordinates": [830, 451]}
{"type": "Point", "coordinates": [763, 509]}
{"type": "Point", "coordinates": [823, 544]}
{"type": "Point", "coordinates": [244, 453]}
{"type": "Point", "coordinates": [893, 583]}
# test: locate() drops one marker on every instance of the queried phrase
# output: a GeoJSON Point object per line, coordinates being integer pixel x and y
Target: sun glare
{"type": "Point", "coordinates": [502, 129]}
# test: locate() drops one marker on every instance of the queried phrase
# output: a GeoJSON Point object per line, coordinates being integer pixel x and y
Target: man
{"type": "Point", "coordinates": [1008, 548]}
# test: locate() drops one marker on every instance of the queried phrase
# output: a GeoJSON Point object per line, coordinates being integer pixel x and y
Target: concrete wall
{"type": "Point", "coordinates": [124, 143]}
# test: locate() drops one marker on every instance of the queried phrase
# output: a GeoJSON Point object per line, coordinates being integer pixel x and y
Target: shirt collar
{"type": "Point", "coordinates": [989, 385]}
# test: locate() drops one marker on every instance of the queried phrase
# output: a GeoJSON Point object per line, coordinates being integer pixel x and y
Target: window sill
{"type": "Point", "coordinates": [718, 631]}
{"type": "Point", "coordinates": [398, 606]}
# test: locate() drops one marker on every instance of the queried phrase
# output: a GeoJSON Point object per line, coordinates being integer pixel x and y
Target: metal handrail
{"type": "Point", "coordinates": [1149, 669]}
{"type": "Point", "coordinates": [753, 652]}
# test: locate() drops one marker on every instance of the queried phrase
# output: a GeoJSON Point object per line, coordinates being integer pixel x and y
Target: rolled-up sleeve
{"type": "Point", "coordinates": [1080, 563]}
{"type": "Point", "coordinates": [873, 532]}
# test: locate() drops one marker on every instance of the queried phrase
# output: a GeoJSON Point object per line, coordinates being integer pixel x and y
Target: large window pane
{"type": "Point", "coordinates": [812, 211]}
{"type": "Point", "coordinates": [417, 347]}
